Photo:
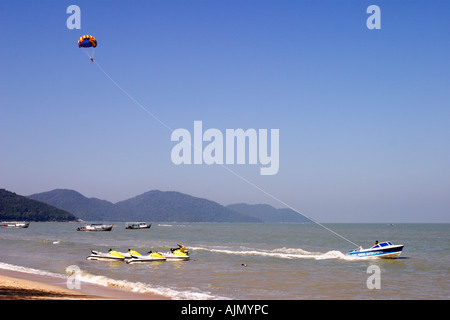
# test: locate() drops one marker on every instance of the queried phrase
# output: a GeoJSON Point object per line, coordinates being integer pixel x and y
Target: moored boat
{"type": "Point", "coordinates": [96, 227]}
{"type": "Point", "coordinates": [138, 225]}
{"type": "Point", "coordinates": [14, 224]}
{"type": "Point", "coordinates": [129, 254]}
{"type": "Point", "coordinates": [152, 256]}
{"type": "Point", "coordinates": [385, 250]}
{"type": "Point", "coordinates": [179, 253]}
{"type": "Point", "coordinates": [111, 255]}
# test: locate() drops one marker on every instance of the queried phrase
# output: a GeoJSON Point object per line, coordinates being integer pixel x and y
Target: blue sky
{"type": "Point", "coordinates": [363, 114]}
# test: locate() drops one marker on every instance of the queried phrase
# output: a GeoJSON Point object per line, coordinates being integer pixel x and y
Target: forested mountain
{"type": "Point", "coordinates": [150, 206]}
{"type": "Point", "coordinates": [158, 205]}
{"type": "Point", "coordinates": [176, 206]}
{"type": "Point", "coordinates": [88, 209]}
{"type": "Point", "coordinates": [14, 207]}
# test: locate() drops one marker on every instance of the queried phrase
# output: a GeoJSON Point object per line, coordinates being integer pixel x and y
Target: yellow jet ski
{"type": "Point", "coordinates": [179, 253]}
{"type": "Point", "coordinates": [152, 256]}
{"type": "Point", "coordinates": [111, 255]}
{"type": "Point", "coordinates": [130, 253]}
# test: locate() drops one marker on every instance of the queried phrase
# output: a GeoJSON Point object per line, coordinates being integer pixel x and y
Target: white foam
{"type": "Point", "coordinates": [283, 253]}
{"type": "Point", "coordinates": [12, 267]}
{"type": "Point", "coordinates": [139, 287]}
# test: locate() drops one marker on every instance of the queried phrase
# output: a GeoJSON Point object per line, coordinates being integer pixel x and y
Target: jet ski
{"type": "Point", "coordinates": [111, 255]}
{"type": "Point", "coordinates": [385, 250]}
{"type": "Point", "coordinates": [179, 253]}
{"type": "Point", "coordinates": [152, 256]}
{"type": "Point", "coordinates": [129, 254]}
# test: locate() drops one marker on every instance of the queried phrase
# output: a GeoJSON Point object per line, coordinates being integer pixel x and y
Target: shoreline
{"type": "Point", "coordinates": [16, 285]}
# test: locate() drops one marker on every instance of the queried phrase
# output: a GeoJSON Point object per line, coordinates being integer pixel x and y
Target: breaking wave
{"type": "Point", "coordinates": [140, 287]}
{"type": "Point", "coordinates": [136, 287]}
{"type": "Point", "coordinates": [12, 267]}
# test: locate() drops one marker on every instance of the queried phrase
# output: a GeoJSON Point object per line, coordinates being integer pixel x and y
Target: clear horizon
{"type": "Point", "coordinates": [363, 114]}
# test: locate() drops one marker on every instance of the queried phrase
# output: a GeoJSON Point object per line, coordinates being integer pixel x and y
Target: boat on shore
{"type": "Point", "coordinates": [137, 225]}
{"type": "Point", "coordinates": [96, 227]}
{"type": "Point", "coordinates": [14, 224]}
{"type": "Point", "coordinates": [385, 250]}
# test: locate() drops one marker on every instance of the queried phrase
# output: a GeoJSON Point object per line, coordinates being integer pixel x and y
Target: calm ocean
{"type": "Point", "coordinates": [243, 261]}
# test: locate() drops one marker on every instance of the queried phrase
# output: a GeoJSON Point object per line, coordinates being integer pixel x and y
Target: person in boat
{"type": "Point", "coordinates": [376, 242]}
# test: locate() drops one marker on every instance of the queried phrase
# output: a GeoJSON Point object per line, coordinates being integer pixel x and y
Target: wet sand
{"type": "Point", "coordinates": [24, 286]}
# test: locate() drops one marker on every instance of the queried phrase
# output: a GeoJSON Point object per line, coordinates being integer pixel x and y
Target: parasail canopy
{"type": "Point", "coordinates": [87, 41]}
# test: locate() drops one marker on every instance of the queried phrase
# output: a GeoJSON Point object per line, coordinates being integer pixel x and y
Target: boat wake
{"type": "Point", "coordinates": [282, 253]}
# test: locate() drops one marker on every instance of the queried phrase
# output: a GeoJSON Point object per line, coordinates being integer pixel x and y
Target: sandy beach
{"type": "Point", "coordinates": [23, 286]}
{"type": "Point", "coordinates": [20, 289]}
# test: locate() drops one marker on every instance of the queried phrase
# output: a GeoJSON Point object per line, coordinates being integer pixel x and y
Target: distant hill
{"type": "Point", "coordinates": [176, 206]}
{"type": "Point", "coordinates": [150, 206]}
{"type": "Point", "coordinates": [14, 207]}
{"type": "Point", "coordinates": [88, 209]}
{"type": "Point", "coordinates": [267, 213]}
{"type": "Point", "coordinates": [162, 206]}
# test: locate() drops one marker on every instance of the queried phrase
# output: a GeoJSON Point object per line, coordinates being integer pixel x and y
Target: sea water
{"type": "Point", "coordinates": [243, 260]}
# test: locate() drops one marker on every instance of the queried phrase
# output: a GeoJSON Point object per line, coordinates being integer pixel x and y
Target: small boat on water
{"type": "Point", "coordinates": [14, 224]}
{"type": "Point", "coordinates": [138, 225]}
{"type": "Point", "coordinates": [129, 254]}
{"type": "Point", "coordinates": [385, 250]}
{"type": "Point", "coordinates": [179, 253]}
{"type": "Point", "coordinates": [152, 256]}
{"type": "Point", "coordinates": [111, 255]}
{"type": "Point", "coordinates": [132, 256]}
{"type": "Point", "coordinates": [96, 227]}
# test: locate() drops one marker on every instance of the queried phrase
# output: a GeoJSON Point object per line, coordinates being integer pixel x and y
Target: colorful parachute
{"type": "Point", "coordinates": [87, 41]}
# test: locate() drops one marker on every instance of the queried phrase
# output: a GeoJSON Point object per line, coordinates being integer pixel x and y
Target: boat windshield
{"type": "Point", "coordinates": [383, 244]}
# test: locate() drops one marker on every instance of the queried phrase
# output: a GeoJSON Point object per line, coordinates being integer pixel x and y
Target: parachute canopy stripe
{"type": "Point", "coordinates": [87, 41]}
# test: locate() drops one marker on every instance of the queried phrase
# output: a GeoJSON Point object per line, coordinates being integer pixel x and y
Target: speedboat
{"type": "Point", "coordinates": [385, 250]}
{"type": "Point", "coordinates": [111, 255]}
{"type": "Point", "coordinates": [179, 253]}
{"type": "Point", "coordinates": [152, 256]}
{"type": "Point", "coordinates": [138, 225]}
{"type": "Point", "coordinates": [14, 224]}
{"type": "Point", "coordinates": [96, 227]}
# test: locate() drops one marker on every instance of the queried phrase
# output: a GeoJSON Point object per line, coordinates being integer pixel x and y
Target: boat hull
{"type": "Point", "coordinates": [141, 259]}
{"type": "Point", "coordinates": [390, 252]}
{"type": "Point", "coordinates": [104, 258]}
{"type": "Point", "coordinates": [170, 256]}
{"type": "Point", "coordinates": [15, 225]}
{"type": "Point", "coordinates": [95, 228]}
{"type": "Point", "coordinates": [138, 227]}
{"type": "Point", "coordinates": [101, 256]}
